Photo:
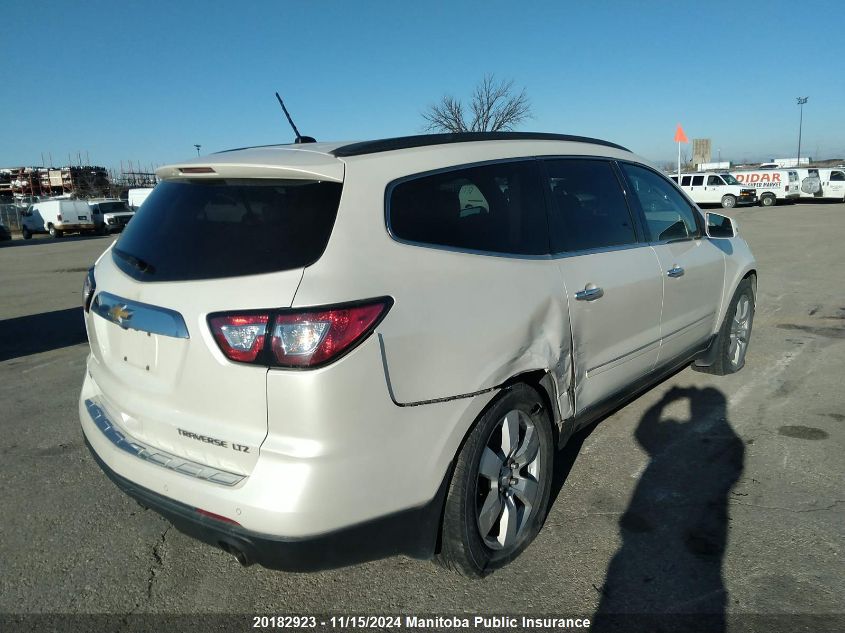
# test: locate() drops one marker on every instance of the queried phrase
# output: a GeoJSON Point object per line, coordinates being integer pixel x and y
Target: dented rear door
{"type": "Point", "coordinates": [613, 281]}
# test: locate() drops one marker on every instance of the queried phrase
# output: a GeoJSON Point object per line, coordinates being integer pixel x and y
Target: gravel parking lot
{"type": "Point", "coordinates": [704, 494]}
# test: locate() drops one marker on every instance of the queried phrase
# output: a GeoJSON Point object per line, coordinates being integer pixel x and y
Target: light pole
{"type": "Point", "coordinates": [197, 145]}
{"type": "Point", "coordinates": [801, 102]}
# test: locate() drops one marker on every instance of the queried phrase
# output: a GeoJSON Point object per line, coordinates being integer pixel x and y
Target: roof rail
{"type": "Point", "coordinates": [424, 140]}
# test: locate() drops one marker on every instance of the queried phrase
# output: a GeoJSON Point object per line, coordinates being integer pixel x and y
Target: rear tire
{"type": "Point", "coordinates": [728, 202]}
{"type": "Point", "coordinates": [735, 334]}
{"type": "Point", "coordinates": [54, 232]}
{"type": "Point", "coordinates": [499, 493]}
{"type": "Point", "coordinates": [768, 201]}
{"type": "Point", "coordinates": [25, 233]}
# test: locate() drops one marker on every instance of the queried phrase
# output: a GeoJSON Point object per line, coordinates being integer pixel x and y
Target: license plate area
{"type": "Point", "coordinates": [138, 350]}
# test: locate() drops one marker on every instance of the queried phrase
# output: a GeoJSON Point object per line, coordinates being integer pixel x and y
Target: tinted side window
{"type": "Point", "coordinates": [668, 215]}
{"type": "Point", "coordinates": [837, 176]}
{"type": "Point", "coordinates": [714, 180]}
{"type": "Point", "coordinates": [697, 181]}
{"type": "Point", "coordinates": [686, 180]}
{"type": "Point", "coordinates": [588, 206]}
{"type": "Point", "coordinates": [495, 208]}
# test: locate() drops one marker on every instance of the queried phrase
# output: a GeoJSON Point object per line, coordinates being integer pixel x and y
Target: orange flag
{"type": "Point", "coordinates": [680, 137]}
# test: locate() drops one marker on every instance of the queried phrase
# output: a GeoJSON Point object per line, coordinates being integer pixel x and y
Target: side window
{"type": "Point", "coordinates": [714, 180]}
{"type": "Point", "coordinates": [685, 181]}
{"type": "Point", "coordinates": [496, 208]}
{"type": "Point", "coordinates": [667, 213]}
{"type": "Point", "coordinates": [588, 206]}
{"type": "Point", "coordinates": [837, 176]}
{"type": "Point", "coordinates": [697, 181]}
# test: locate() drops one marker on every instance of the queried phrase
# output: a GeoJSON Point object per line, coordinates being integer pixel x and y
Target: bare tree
{"type": "Point", "coordinates": [494, 107]}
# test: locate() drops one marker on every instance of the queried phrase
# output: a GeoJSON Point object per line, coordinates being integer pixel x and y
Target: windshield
{"type": "Point", "coordinates": [227, 228]}
{"type": "Point", "coordinates": [730, 179]}
{"type": "Point", "coordinates": [112, 207]}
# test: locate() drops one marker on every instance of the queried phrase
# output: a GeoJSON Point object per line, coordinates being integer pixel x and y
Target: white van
{"type": "Point", "coordinates": [137, 196]}
{"type": "Point", "coordinates": [771, 184]}
{"type": "Point", "coordinates": [822, 184]}
{"type": "Point", "coordinates": [110, 215]}
{"type": "Point", "coordinates": [57, 217]}
{"type": "Point", "coordinates": [716, 188]}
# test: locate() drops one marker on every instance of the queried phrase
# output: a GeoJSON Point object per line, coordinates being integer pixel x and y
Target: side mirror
{"type": "Point", "coordinates": [720, 226]}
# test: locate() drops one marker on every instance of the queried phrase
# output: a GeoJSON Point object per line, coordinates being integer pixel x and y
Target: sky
{"type": "Point", "coordinates": [144, 81]}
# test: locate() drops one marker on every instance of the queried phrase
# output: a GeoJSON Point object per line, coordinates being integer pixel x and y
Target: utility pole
{"type": "Point", "coordinates": [801, 102]}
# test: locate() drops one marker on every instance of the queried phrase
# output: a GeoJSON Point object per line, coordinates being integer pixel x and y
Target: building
{"type": "Point", "coordinates": [701, 151]}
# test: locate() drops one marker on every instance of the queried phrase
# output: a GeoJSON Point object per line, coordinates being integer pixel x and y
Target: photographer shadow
{"type": "Point", "coordinates": [667, 574]}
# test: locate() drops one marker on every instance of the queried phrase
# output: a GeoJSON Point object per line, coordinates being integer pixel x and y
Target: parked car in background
{"type": "Point", "coordinates": [57, 217]}
{"type": "Point", "coordinates": [822, 183]}
{"type": "Point", "coordinates": [5, 233]}
{"type": "Point", "coordinates": [404, 333]}
{"type": "Point", "coordinates": [772, 185]}
{"type": "Point", "coordinates": [137, 196]}
{"type": "Point", "coordinates": [110, 215]}
{"type": "Point", "coordinates": [716, 188]}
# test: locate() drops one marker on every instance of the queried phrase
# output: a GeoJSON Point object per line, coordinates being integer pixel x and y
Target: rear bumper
{"type": "Point", "coordinates": [411, 532]}
{"type": "Point", "coordinates": [76, 227]}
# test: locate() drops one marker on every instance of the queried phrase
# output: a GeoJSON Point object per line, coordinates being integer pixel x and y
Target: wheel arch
{"type": "Point", "coordinates": [539, 380]}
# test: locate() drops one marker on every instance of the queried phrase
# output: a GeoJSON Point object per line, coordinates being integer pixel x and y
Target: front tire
{"type": "Point", "coordinates": [735, 333]}
{"type": "Point", "coordinates": [26, 233]}
{"type": "Point", "coordinates": [499, 493]}
{"type": "Point", "coordinates": [728, 202]}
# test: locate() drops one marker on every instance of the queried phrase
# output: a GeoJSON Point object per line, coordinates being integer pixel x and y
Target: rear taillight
{"type": "Point", "coordinates": [88, 288]}
{"type": "Point", "coordinates": [240, 336]}
{"type": "Point", "coordinates": [298, 338]}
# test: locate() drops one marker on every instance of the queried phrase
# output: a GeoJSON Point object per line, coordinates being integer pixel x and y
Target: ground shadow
{"type": "Point", "coordinates": [667, 574]}
{"type": "Point", "coordinates": [42, 332]}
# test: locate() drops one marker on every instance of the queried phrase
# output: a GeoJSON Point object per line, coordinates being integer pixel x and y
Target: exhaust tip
{"type": "Point", "coordinates": [237, 552]}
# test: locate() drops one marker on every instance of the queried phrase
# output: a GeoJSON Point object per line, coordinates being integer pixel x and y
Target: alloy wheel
{"type": "Point", "coordinates": [740, 330]}
{"type": "Point", "coordinates": [507, 487]}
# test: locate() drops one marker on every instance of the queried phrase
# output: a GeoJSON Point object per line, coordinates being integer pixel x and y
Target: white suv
{"type": "Point", "coordinates": [312, 355]}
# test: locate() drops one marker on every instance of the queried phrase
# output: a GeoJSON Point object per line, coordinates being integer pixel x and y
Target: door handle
{"type": "Point", "coordinates": [675, 271]}
{"type": "Point", "coordinates": [591, 292]}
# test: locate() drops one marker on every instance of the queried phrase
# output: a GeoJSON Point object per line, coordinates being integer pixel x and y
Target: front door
{"type": "Point", "coordinates": [692, 267]}
{"type": "Point", "coordinates": [713, 188]}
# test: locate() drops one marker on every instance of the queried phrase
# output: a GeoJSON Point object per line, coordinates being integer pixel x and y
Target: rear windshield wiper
{"type": "Point", "coordinates": [135, 262]}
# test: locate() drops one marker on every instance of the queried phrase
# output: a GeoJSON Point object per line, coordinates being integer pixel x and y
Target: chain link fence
{"type": "Point", "coordinates": [10, 216]}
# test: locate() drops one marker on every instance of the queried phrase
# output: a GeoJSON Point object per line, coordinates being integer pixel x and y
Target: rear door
{"type": "Point", "coordinates": [198, 248]}
{"type": "Point", "coordinates": [613, 279]}
{"type": "Point", "coordinates": [76, 212]}
{"type": "Point", "coordinates": [692, 268]}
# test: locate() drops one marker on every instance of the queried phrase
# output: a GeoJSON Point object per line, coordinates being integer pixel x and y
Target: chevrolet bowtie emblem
{"type": "Point", "coordinates": [120, 314]}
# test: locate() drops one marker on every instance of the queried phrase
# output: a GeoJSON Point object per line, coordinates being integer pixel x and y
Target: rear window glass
{"type": "Point", "coordinates": [227, 228]}
{"type": "Point", "coordinates": [494, 208]}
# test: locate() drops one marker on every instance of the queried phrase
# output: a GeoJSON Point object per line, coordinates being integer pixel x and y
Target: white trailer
{"type": "Point", "coordinates": [137, 196]}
